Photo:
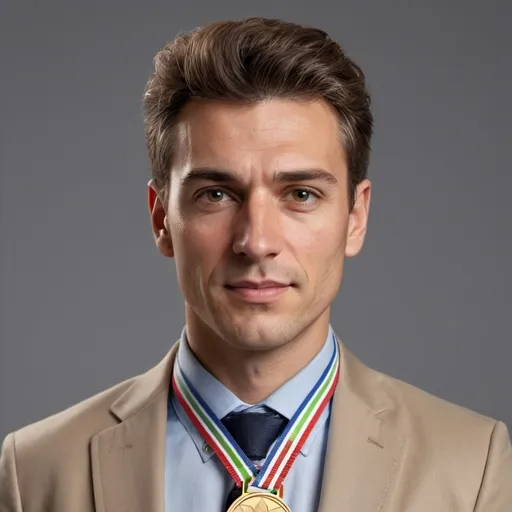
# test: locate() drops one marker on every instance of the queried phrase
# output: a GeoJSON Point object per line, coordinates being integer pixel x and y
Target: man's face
{"type": "Point", "coordinates": [258, 217]}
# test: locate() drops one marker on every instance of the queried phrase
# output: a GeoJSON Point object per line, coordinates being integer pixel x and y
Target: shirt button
{"type": "Point", "coordinates": [207, 448]}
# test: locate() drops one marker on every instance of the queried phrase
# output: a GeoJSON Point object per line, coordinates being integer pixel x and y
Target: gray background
{"type": "Point", "coordinates": [85, 298]}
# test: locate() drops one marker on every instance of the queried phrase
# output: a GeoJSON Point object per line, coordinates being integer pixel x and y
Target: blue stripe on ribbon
{"type": "Point", "coordinates": [292, 422]}
{"type": "Point", "coordinates": [219, 424]}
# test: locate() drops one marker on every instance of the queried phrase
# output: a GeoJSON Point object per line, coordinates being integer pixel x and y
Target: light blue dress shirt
{"type": "Point", "coordinates": [195, 478]}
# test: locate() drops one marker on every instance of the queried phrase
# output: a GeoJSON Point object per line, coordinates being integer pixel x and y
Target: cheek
{"type": "Point", "coordinates": [199, 247]}
{"type": "Point", "coordinates": [319, 249]}
{"type": "Point", "coordinates": [319, 240]}
{"type": "Point", "coordinates": [212, 233]}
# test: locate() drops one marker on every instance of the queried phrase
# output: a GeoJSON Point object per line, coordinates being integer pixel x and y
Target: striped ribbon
{"type": "Point", "coordinates": [285, 450]}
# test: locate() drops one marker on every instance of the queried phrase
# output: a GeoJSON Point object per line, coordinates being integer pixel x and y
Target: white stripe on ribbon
{"type": "Point", "coordinates": [263, 477]}
{"type": "Point", "coordinates": [182, 384]}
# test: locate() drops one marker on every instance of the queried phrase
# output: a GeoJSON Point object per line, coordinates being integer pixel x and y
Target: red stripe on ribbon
{"type": "Point", "coordinates": [265, 484]}
{"type": "Point", "coordinates": [205, 434]}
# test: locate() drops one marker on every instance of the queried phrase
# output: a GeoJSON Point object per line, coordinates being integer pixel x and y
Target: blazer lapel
{"type": "Point", "coordinates": [364, 448]}
{"type": "Point", "coordinates": [128, 460]}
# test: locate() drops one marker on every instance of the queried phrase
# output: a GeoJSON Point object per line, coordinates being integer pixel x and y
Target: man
{"type": "Point", "coordinates": [258, 134]}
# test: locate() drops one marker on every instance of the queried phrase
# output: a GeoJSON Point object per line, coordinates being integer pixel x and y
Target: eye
{"type": "Point", "coordinates": [304, 195]}
{"type": "Point", "coordinates": [213, 195]}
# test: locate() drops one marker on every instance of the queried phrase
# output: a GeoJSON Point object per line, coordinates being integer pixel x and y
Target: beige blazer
{"type": "Point", "coordinates": [391, 448]}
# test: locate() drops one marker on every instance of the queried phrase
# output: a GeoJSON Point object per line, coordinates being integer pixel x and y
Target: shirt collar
{"type": "Point", "coordinates": [285, 400]}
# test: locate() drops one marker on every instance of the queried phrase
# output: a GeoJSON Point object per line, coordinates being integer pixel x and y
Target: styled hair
{"type": "Point", "coordinates": [253, 60]}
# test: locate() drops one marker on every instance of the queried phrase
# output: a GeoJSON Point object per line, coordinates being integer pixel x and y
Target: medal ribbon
{"type": "Point", "coordinates": [286, 447]}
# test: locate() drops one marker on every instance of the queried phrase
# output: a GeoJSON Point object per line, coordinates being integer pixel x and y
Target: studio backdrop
{"type": "Point", "coordinates": [86, 300]}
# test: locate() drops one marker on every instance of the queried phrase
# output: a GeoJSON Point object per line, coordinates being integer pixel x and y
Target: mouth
{"type": "Point", "coordinates": [258, 292]}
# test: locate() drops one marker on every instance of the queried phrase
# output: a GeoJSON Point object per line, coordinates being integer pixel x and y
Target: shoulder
{"type": "Point", "coordinates": [432, 428]}
{"type": "Point", "coordinates": [433, 415]}
{"type": "Point", "coordinates": [69, 431]}
{"type": "Point", "coordinates": [52, 457]}
{"type": "Point", "coordinates": [447, 445]}
{"type": "Point", "coordinates": [411, 407]}
{"type": "Point", "coordinates": [440, 434]}
{"type": "Point", "coordinates": [45, 460]}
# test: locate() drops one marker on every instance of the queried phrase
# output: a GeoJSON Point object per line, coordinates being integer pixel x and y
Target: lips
{"type": "Point", "coordinates": [258, 292]}
{"type": "Point", "coordinates": [257, 284]}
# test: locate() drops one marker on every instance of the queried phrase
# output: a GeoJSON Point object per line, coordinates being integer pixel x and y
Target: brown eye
{"type": "Point", "coordinates": [303, 198]}
{"type": "Point", "coordinates": [215, 195]}
{"type": "Point", "coordinates": [301, 195]}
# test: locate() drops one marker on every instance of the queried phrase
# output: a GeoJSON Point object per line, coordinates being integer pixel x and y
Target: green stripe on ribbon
{"type": "Point", "coordinates": [320, 394]}
{"type": "Point", "coordinates": [232, 455]}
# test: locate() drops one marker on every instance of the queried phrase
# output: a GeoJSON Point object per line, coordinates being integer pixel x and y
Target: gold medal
{"type": "Point", "coordinates": [254, 500]}
{"type": "Point", "coordinates": [258, 502]}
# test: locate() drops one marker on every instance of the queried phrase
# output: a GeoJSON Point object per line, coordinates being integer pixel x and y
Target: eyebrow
{"type": "Point", "coordinates": [222, 176]}
{"type": "Point", "coordinates": [305, 175]}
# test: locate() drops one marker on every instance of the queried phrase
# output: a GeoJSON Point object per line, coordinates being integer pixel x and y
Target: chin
{"type": "Point", "coordinates": [260, 332]}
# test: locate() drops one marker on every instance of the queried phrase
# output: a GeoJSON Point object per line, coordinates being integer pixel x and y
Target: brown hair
{"type": "Point", "coordinates": [252, 60]}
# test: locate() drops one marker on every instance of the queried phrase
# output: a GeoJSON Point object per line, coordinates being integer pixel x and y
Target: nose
{"type": "Point", "coordinates": [257, 229]}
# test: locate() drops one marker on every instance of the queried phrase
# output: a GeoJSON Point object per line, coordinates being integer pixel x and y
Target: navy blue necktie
{"type": "Point", "coordinates": [254, 433]}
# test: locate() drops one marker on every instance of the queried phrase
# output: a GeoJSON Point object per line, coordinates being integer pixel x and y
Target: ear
{"type": "Point", "coordinates": [159, 222]}
{"type": "Point", "coordinates": [358, 219]}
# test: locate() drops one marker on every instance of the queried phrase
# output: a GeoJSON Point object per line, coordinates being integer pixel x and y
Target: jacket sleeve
{"type": "Point", "coordinates": [10, 499]}
{"type": "Point", "coordinates": [496, 490]}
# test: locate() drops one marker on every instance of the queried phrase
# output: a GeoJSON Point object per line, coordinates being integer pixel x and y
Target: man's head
{"type": "Point", "coordinates": [258, 134]}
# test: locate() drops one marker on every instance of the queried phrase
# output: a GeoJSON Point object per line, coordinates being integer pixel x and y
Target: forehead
{"type": "Point", "coordinates": [267, 133]}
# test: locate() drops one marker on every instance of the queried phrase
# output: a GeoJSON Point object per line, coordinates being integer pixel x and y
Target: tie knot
{"type": "Point", "coordinates": [255, 432]}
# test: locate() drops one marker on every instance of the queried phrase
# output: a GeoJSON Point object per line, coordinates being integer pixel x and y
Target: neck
{"type": "Point", "coordinates": [253, 375]}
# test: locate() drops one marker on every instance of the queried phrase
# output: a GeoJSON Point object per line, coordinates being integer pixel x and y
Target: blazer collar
{"type": "Point", "coordinates": [146, 387]}
{"type": "Point", "coordinates": [364, 445]}
{"type": "Point", "coordinates": [128, 460]}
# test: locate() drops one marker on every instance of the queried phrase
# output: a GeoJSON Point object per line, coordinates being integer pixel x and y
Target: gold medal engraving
{"type": "Point", "coordinates": [258, 502]}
